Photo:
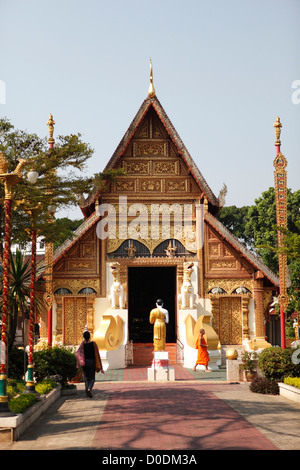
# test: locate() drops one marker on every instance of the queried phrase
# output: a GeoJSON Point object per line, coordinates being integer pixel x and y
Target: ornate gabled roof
{"type": "Point", "coordinates": [78, 233]}
{"type": "Point", "coordinates": [235, 243]}
{"type": "Point", "coordinates": [119, 152]}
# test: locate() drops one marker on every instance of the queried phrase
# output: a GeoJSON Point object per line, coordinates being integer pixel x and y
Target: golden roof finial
{"type": "Point", "coordinates": [151, 91]}
{"type": "Point", "coordinates": [277, 124]}
{"type": "Point", "coordinates": [50, 125]}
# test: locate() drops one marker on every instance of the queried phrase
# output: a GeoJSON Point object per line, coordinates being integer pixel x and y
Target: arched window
{"type": "Point", "coordinates": [217, 290]}
{"type": "Point", "coordinates": [123, 251]}
{"type": "Point", "coordinates": [87, 290]}
{"type": "Point", "coordinates": [241, 290]}
{"type": "Point", "coordinates": [62, 291]}
{"type": "Point", "coordinates": [180, 250]}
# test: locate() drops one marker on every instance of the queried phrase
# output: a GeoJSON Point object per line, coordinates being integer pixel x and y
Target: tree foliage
{"type": "Point", "coordinates": [256, 227]}
{"type": "Point", "coordinates": [61, 178]}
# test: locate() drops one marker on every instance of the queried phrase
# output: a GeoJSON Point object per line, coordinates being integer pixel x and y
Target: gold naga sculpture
{"type": "Point", "coordinates": [193, 328]}
{"type": "Point", "coordinates": [110, 334]}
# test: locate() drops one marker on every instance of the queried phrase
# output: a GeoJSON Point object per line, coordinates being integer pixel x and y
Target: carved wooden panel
{"type": "Point", "coordinates": [81, 259]}
{"type": "Point", "coordinates": [221, 259]}
{"type": "Point", "coordinates": [74, 319]}
{"type": "Point", "coordinates": [229, 322]}
{"type": "Point", "coordinates": [150, 148]}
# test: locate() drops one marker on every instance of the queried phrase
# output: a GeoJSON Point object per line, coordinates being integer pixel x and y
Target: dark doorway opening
{"type": "Point", "coordinates": [145, 286]}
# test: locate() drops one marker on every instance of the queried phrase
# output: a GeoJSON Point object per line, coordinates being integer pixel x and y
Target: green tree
{"type": "Point", "coordinates": [234, 218]}
{"type": "Point", "coordinates": [19, 293]}
{"type": "Point", "coordinates": [65, 227]}
{"type": "Point", "coordinates": [291, 247]}
{"type": "Point", "coordinates": [61, 178]}
{"type": "Point", "coordinates": [61, 182]}
{"type": "Point", "coordinates": [256, 227]}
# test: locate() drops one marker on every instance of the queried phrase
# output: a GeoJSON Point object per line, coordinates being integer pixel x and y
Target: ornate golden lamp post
{"type": "Point", "coordinates": [10, 180]}
{"type": "Point", "coordinates": [280, 176]}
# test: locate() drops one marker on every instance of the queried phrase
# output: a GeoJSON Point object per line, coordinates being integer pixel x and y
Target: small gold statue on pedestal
{"type": "Point", "coordinates": [159, 316]}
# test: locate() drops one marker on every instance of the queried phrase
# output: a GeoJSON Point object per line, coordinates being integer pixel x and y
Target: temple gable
{"type": "Point", "coordinates": [153, 166]}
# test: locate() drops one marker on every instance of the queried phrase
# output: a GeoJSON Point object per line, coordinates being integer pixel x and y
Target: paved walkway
{"type": "Point", "coordinates": [199, 411]}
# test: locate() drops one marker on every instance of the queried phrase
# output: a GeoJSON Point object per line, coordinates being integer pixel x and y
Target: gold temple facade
{"type": "Point", "coordinates": [153, 233]}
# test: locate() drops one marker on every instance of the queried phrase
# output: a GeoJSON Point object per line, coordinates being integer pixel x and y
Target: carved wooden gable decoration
{"type": "Point", "coordinates": [78, 267]}
{"type": "Point", "coordinates": [222, 259]}
{"type": "Point", "coordinates": [153, 165]}
{"type": "Point", "coordinates": [226, 256]}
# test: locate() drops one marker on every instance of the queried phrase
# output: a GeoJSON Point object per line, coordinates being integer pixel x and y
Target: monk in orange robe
{"type": "Point", "coordinates": [203, 356]}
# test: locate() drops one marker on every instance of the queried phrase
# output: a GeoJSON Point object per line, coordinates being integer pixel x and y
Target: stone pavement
{"type": "Point", "coordinates": [198, 411]}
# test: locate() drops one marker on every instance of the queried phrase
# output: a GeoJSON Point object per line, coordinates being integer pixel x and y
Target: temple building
{"type": "Point", "coordinates": [154, 233]}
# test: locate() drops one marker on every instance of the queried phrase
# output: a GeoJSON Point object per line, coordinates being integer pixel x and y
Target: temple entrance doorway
{"type": "Point", "coordinates": [145, 286]}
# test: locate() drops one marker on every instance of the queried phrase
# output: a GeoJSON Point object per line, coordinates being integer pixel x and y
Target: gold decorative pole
{"type": "Point", "coordinates": [10, 180]}
{"type": "Point", "coordinates": [280, 176]}
{"type": "Point", "coordinates": [30, 386]}
{"type": "Point", "coordinates": [48, 297]}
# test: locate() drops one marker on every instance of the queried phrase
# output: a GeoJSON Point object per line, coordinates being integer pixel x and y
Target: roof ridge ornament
{"type": "Point", "coordinates": [151, 91]}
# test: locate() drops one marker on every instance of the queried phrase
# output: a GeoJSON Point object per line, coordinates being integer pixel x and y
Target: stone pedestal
{"type": "Point", "coordinates": [160, 370]}
{"type": "Point", "coordinates": [233, 370]}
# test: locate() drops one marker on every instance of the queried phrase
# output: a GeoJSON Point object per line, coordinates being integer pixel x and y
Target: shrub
{"type": "Point", "coordinates": [249, 361]}
{"type": "Point", "coordinates": [22, 403]}
{"type": "Point", "coordinates": [45, 387]}
{"type": "Point", "coordinates": [276, 363]}
{"type": "Point", "coordinates": [294, 381]}
{"type": "Point", "coordinates": [265, 386]}
{"type": "Point", "coordinates": [14, 387]}
{"type": "Point", "coordinates": [17, 363]}
{"type": "Point", "coordinates": [55, 361]}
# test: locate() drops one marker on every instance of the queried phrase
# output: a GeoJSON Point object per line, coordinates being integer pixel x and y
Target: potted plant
{"type": "Point", "coordinates": [249, 364]}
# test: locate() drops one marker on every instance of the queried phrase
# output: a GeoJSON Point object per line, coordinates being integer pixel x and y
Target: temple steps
{"type": "Point", "coordinates": [143, 353]}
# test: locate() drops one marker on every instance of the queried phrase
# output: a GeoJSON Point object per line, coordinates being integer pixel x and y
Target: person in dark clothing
{"type": "Point", "coordinates": [89, 359]}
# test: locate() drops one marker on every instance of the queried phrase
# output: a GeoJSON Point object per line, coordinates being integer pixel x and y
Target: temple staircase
{"type": "Point", "coordinates": [143, 353]}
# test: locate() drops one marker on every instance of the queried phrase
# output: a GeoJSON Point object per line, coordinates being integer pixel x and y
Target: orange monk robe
{"type": "Point", "coordinates": [203, 356]}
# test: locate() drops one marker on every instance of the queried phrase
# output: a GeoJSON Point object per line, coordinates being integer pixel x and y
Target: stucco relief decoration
{"type": "Point", "coordinates": [165, 168]}
{"type": "Point", "coordinates": [151, 185]}
{"type": "Point", "coordinates": [176, 185]}
{"type": "Point", "coordinates": [137, 168]}
{"type": "Point", "coordinates": [151, 148]}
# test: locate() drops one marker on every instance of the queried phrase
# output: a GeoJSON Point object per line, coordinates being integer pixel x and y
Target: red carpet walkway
{"type": "Point", "coordinates": [185, 416]}
{"type": "Point", "coordinates": [130, 415]}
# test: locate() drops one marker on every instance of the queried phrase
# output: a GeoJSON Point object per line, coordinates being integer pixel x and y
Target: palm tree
{"type": "Point", "coordinates": [19, 292]}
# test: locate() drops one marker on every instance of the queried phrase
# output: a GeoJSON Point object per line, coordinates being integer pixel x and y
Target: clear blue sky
{"type": "Point", "coordinates": [223, 70]}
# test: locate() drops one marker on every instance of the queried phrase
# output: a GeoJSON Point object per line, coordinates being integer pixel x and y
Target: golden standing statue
{"type": "Point", "coordinates": [159, 316]}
